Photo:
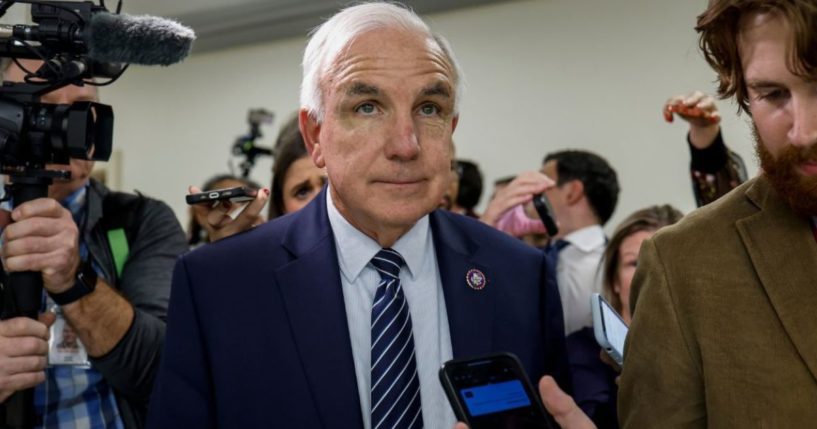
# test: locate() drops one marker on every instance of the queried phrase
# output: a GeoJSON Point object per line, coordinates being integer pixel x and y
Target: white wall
{"type": "Point", "coordinates": [542, 75]}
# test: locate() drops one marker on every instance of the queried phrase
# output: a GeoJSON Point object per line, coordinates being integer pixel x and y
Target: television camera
{"type": "Point", "coordinates": [245, 145]}
{"type": "Point", "coordinates": [77, 43]}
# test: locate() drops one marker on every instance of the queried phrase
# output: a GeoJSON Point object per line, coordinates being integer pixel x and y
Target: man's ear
{"type": "Point", "coordinates": [454, 123]}
{"type": "Point", "coordinates": [310, 131]}
{"type": "Point", "coordinates": [575, 191]}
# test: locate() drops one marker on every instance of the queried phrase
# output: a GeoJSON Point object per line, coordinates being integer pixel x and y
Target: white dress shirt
{"type": "Point", "coordinates": [422, 286]}
{"type": "Point", "coordinates": [578, 273]}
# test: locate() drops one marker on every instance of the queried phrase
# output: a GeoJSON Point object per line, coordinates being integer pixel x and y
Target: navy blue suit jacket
{"type": "Point", "coordinates": [257, 333]}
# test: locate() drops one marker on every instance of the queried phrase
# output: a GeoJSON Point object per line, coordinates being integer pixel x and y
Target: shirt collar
{"type": "Point", "coordinates": [75, 202]}
{"type": "Point", "coordinates": [356, 249]}
{"type": "Point", "coordinates": [587, 238]}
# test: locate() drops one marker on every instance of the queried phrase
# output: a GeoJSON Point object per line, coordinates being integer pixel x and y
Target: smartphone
{"type": "Point", "coordinates": [235, 195]}
{"type": "Point", "coordinates": [545, 210]}
{"type": "Point", "coordinates": [609, 328]}
{"type": "Point", "coordinates": [493, 392]}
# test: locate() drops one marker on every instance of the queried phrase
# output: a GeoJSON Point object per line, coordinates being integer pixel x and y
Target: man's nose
{"type": "Point", "coordinates": [404, 143]}
{"type": "Point", "coordinates": [804, 122]}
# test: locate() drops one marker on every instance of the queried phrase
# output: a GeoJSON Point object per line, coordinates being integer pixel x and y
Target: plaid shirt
{"type": "Point", "coordinates": [76, 397]}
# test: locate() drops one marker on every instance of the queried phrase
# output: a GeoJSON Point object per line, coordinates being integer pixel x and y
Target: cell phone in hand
{"type": "Point", "coordinates": [234, 195]}
{"type": "Point", "coordinates": [493, 391]}
{"type": "Point", "coordinates": [609, 328]}
{"type": "Point", "coordinates": [545, 210]}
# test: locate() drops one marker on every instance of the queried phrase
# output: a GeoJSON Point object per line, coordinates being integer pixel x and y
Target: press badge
{"type": "Point", "coordinates": [64, 347]}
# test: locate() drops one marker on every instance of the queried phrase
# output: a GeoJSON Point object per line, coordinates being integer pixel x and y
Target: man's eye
{"type": "Point", "coordinates": [773, 95]}
{"type": "Point", "coordinates": [429, 109]}
{"type": "Point", "coordinates": [366, 109]}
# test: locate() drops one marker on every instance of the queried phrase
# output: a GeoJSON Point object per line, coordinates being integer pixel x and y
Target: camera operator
{"type": "Point", "coordinates": [125, 246]}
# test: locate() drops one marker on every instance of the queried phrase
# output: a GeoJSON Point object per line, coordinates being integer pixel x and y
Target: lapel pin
{"type": "Point", "coordinates": [475, 279]}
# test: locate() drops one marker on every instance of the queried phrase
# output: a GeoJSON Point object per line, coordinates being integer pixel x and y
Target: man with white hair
{"type": "Point", "coordinates": [340, 315]}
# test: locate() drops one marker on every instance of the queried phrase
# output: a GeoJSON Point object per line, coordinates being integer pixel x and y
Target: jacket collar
{"type": "Point", "coordinates": [783, 251]}
{"type": "Point", "coordinates": [311, 290]}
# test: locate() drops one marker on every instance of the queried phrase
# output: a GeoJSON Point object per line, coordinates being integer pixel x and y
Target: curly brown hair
{"type": "Point", "coordinates": [720, 24]}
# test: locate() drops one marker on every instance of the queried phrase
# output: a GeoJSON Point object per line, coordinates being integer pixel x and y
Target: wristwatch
{"type": "Point", "coordinates": [85, 284]}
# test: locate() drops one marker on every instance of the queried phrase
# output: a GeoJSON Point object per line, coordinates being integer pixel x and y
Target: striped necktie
{"type": "Point", "coordinates": [395, 384]}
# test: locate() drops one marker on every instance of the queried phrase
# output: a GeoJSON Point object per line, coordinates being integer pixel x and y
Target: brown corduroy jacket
{"type": "Point", "coordinates": [724, 333]}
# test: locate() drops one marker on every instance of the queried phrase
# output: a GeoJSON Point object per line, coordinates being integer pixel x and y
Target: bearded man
{"type": "Point", "coordinates": [725, 301]}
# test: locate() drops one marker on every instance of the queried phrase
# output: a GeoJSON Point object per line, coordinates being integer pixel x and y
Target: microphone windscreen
{"type": "Point", "coordinates": [145, 40]}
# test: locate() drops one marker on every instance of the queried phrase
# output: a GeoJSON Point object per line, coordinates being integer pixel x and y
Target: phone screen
{"type": "Point", "coordinates": [493, 392]}
{"type": "Point", "coordinates": [495, 397]}
{"type": "Point", "coordinates": [614, 328]}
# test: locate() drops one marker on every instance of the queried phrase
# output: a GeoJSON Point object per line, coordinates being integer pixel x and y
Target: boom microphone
{"type": "Point", "coordinates": [144, 40]}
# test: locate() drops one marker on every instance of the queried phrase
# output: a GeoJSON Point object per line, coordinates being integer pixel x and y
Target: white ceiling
{"type": "Point", "coordinates": [177, 7]}
{"type": "Point", "coordinates": [221, 24]}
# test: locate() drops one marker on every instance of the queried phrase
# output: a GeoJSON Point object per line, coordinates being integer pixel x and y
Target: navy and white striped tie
{"type": "Point", "coordinates": [395, 384]}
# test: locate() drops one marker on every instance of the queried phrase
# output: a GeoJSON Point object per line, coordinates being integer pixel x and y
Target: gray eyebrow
{"type": "Point", "coordinates": [362, 89]}
{"type": "Point", "coordinates": [438, 89]}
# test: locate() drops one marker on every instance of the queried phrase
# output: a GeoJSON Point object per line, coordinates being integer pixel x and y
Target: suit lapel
{"type": "Point", "coordinates": [470, 311]}
{"type": "Point", "coordinates": [313, 297]}
{"type": "Point", "coordinates": [784, 254]}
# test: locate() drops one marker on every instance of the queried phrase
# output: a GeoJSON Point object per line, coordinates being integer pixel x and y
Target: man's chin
{"type": "Point", "coordinates": [797, 188]}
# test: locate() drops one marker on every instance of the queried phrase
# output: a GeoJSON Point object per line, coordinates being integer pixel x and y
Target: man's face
{"type": "Point", "coordinates": [80, 169]}
{"type": "Point", "coordinates": [784, 111]}
{"type": "Point", "coordinates": [386, 136]}
{"type": "Point", "coordinates": [69, 337]}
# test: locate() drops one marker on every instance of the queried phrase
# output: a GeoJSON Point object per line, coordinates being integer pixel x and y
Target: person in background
{"type": "Point", "coordinates": [295, 178]}
{"type": "Point", "coordinates": [583, 200]}
{"type": "Point", "coordinates": [295, 182]}
{"type": "Point", "coordinates": [724, 301]}
{"type": "Point", "coordinates": [200, 227]}
{"type": "Point", "coordinates": [594, 386]}
{"type": "Point", "coordinates": [714, 169]}
{"type": "Point", "coordinates": [470, 188]}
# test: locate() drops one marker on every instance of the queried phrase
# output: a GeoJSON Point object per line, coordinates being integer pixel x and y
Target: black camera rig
{"type": "Point", "coordinates": [33, 134]}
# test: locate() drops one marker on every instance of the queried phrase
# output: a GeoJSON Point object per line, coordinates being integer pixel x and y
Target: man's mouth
{"type": "Point", "coordinates": [808, 168]}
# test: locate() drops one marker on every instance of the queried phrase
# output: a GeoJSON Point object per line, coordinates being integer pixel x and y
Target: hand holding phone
{"type": "Point", "coordinates": [493, 392]}
{"type": "Point", "coordinates": [227, 215]}
{"type": "Point", "coordinates": [545, 210]}
{"type": "Point", "coordinates": [234, 195]}
{"type": "Point", "coordinates": [609, 328]}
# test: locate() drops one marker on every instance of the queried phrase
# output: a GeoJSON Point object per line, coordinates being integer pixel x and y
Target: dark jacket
{"type": "Point", "coordinates": [258, 334]}
{"type": "Point", "coordinates": [724, 314]}
{"type": "Point", "coordinates": [155, 240]}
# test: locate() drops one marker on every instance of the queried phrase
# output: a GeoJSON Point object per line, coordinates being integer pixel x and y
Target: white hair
{"type": "Point", "coordinates": [330, 39]}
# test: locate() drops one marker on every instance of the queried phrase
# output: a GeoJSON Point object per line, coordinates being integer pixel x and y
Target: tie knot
{"type": "Point", "coordinates": [552, 251]}
{"type": "Point", "coordinates": [558, 246]}
{"type": "Point", "coordinates": [388, 262]}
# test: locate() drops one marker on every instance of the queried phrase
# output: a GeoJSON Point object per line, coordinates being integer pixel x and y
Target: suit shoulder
{"type": "Point", "coordinates": [489, 237]}
{"type": "Point", "coordinates": [714, 220]}
{"type": "Point", "coordinates": [262, 241]}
